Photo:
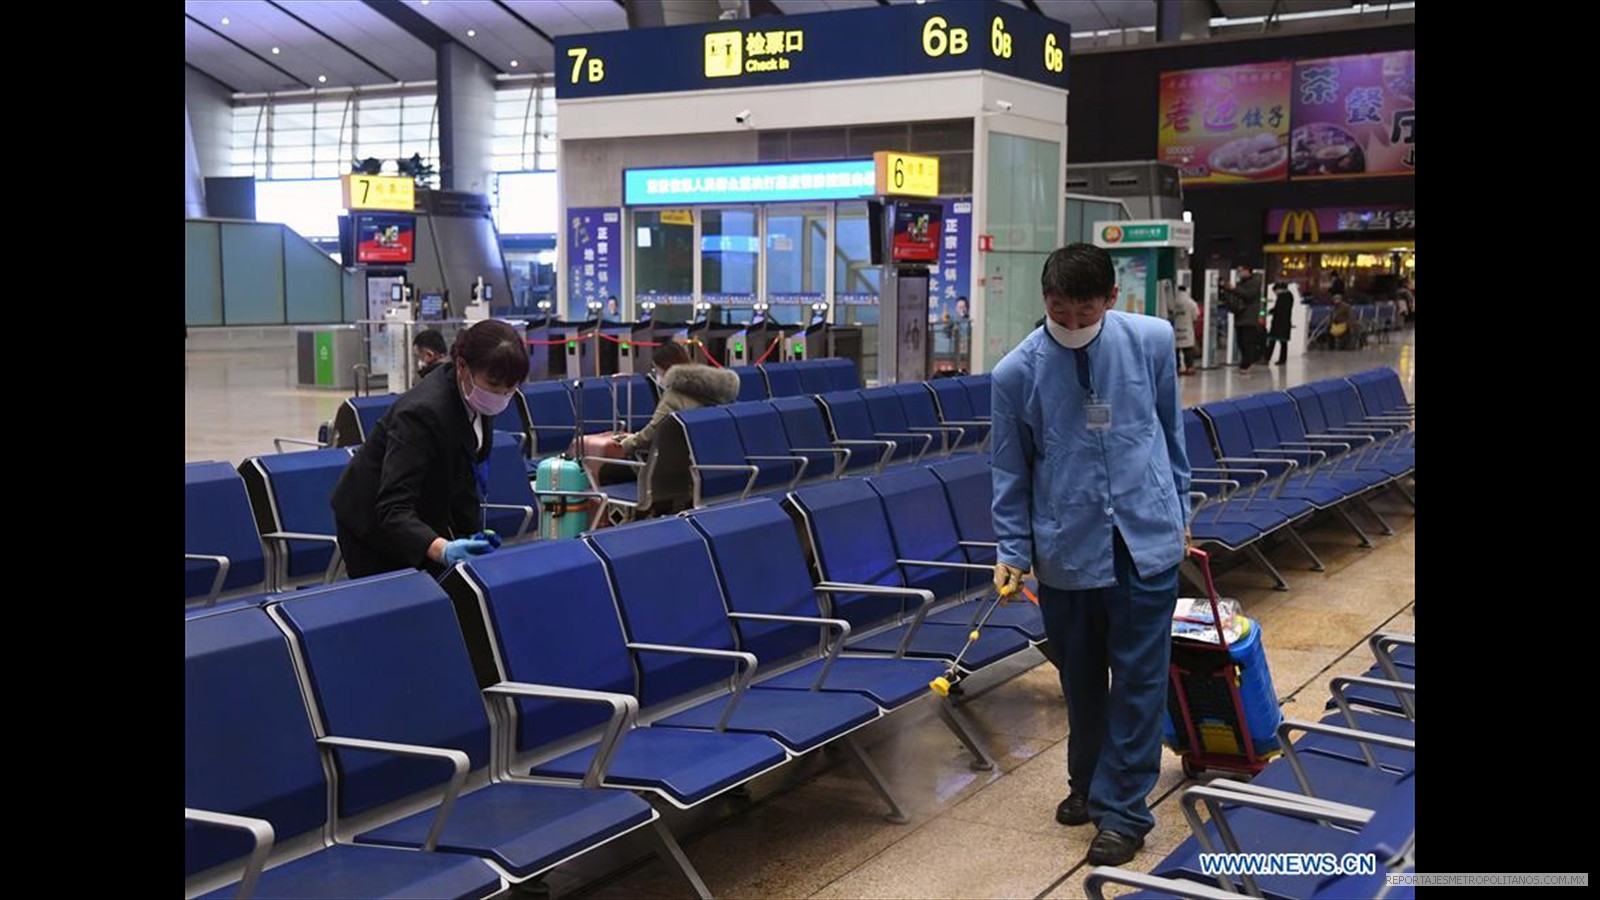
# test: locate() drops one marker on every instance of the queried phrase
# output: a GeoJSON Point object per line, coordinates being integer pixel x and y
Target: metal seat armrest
{"type": "Point", "coordinates": [222, 574]}
{"type": "Point", "coordinates": [527, 515]}
{"type": "Point", "coordinates": [457, 759]}
{"type": "Point", "coordinates": [883, 458]}
{"type": "Point", "coordinates": [841, 456]}
{"type": "Point", "coordinates": [841, 587]}
{"type": "Point", "coordinates": [261, 834]}
{"type": "Point", "coordinates": [799, 471]}
{"type": "Point", "coordinates": [749, 484]}
{"type": "Point", "coordinates": [624, 711]}
{"type": "Point", "coordinates": [278, 443]}
{"type": "Point", "coordinates": [840, 625]}
{"type": "Point", "coordinates": [741, 680]}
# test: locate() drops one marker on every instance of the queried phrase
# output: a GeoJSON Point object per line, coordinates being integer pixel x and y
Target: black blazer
{"type": "Point", "coordinates": [413, 480]}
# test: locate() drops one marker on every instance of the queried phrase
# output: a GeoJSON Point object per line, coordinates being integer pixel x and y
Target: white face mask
{"type": "Point", "coordinates": [1073, 338]}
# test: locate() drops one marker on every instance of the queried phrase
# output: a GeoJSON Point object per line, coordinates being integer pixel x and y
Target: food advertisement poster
{"type": "Point", "coordinates": [1354, 116]}
{"type": "Point", "coordinates": [1226, 126]}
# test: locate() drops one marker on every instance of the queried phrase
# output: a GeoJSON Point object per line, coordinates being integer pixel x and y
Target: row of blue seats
{"type": "Point", "coordinates": [1346, 786]}
{"type": "Point", "coordinates": [549, 409]}
{"type": "Point", "coordinates": [545, 629]}
{"type": "Point", "coordinates": [767, 444]}
{"type": "Point", "coordinates": [1264, 463]}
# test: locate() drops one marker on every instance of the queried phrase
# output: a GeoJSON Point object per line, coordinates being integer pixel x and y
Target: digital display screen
{"type": "Point", "coordinates": [385, 238]}
{"type": "Point", "coordinates": [916, 232]}
{"type": "Point", "coordinates": [430, 306]}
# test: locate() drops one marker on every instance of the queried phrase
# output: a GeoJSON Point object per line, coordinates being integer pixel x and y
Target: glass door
{"type": "Point", "coordinates": [857, 283]}
{"type": "Point", "coordinates": [797, 261]}
{"type": "Point", "coordinates": [730, 259]}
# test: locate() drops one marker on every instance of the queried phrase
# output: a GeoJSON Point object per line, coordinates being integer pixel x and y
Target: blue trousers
{"type": "Point", "coordinates": [1114, 748]}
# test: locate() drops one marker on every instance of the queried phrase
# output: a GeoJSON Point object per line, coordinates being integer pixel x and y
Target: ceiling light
{"type": "Point", "coordinates": [322, 79]}
{"type": "Point", "coordinates": [424, 2]}
{"type": "Point", "coordinates": [471, 33]}
{"type": "Point", "coordinates": [513, 64]}
{"type": "Point", "coordinates": [224, 20]}
{"type": "Point", "coordinates": [274, 51]}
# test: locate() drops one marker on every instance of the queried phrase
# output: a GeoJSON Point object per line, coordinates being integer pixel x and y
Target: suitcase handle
{"type": "Point", "coordinates": [1204, 559]}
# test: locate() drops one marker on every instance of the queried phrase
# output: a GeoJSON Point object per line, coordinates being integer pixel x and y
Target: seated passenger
{"type": "Point", "coordinates": [684, 385]}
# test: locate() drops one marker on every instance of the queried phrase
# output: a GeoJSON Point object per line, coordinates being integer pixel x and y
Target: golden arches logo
{"type": "Point", "coordinates": [1302, 220]}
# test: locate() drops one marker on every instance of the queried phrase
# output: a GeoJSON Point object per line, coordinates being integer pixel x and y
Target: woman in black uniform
{"type": "Point", "coordinates": [411, 495]}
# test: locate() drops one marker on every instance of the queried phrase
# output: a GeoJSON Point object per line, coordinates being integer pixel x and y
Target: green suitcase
{"type": "Point", "coordinates": [562, 517]}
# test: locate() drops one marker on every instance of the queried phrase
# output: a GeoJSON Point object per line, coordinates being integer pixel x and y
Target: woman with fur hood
{"type": "Point", "coordinates": [684, 385]}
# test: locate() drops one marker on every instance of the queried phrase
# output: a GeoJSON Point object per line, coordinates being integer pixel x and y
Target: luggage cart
{"type": "Point", "coordinates": [1222, 713]}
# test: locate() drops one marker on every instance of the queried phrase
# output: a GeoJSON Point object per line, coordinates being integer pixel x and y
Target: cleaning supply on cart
{"type": "Point", "coordinates": [1209, 679]}
{"type": "Point", "coordinates": [1192, 619]}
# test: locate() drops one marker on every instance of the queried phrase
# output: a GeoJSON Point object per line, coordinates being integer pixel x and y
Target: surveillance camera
{"type": "Point", "coordinates": [1005, 105]}
{"type": "Point", "coordinates": [742, 117]}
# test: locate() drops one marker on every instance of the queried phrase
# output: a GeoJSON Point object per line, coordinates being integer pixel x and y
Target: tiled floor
{"type": "Point", "coordinates": [816, 828]}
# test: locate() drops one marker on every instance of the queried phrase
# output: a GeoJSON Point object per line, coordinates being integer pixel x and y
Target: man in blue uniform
{"type": "Point", "coordinates": [1091, 493]}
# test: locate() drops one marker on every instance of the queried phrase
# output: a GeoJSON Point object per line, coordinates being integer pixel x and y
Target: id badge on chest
{"type": "Point", "coordinates": [1097, 415]}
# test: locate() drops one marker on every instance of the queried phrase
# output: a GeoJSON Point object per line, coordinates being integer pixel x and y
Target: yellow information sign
{"type": "Point", "coordinates": [905, 175]}
{"type": "Point", "coordinates": [396, 192]}
{"type": "Point", "coordinates": [677, 217]}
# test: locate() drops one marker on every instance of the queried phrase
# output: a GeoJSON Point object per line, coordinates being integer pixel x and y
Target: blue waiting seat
{"type": "Point", "coordinates": [1216, 516]}
{"type": "Point", "coordinates": [806, 427]}
{"type": "Point", "coordinates": [289, 493]}
{"type": "Point", "coordinates": [929, 551]}
{"type": "Point", "coordinates": [850, 421]}
{"type": "Point", "coordinates": [1358, 460]}
{"type": "Point", "coordinates": [854, 550]}
{"type": "Point", "coordinates": [783, 379]}
{"type": "Point", "coordinates": [969, 486]}
{"type": "Point", "coordinates": [509, 506]}
{"type": "Point", "coordinates": [386, 663]}
{"type": "Point", "coordinates": [762, 433]}
{"type": "Point", "coordinates": [1342, 405]}
{"type": "Point", "coordinates": [889, 420]}
{"type": "Point", "coordinates": [682, 637]}
{"type": "Point", "coordinates": [355, 418]}
{"type": "Point", "coordinates": [594, 402]}
{"type": "Point", "coordinates": [978, 393]}
{"type": "Point", "coordinates": [752, 384]}
{"type": "Point", "coordinates": [779, 616]}
{"type": "Point", "coordinates": [815, 377]}
{"type": "Point", "coordinates": [842, 374]}
{"type": "Point", "coordinates": [223, 554]}
{"type": "Point", "coordinates": [1318, 469]}
{"type": "Point", "coordinates": [635, 399]}
{"type": "Point", "coordinates": [544, 614]}
{"type": "Point", "coordinates": [546, 408]}
{"type": "Point", "coordinates": [1276, 824]}
{"type": "Point", "coordinates": [921, 415]}
{"type": "Point", "coordinates": [955, 408]}
{"type": "Point", "coordinates": [719, 466]}
{"type": "Point", "coordinates": [255, 790]}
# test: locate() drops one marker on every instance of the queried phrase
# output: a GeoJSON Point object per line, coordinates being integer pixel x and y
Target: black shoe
{"type": "Point", "coordinates": [1113, 848]}
{"type": "Point", "coordinates": [1073, 811]}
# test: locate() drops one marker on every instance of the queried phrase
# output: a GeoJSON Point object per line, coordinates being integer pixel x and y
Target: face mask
{"type": "Point", "coordinates": [487, 403]}
{"type": "Point", "coordinates": [1073, 338]}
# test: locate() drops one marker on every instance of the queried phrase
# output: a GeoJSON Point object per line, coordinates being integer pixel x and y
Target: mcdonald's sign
{"type": "Point", "coordinates": [1302, 221]}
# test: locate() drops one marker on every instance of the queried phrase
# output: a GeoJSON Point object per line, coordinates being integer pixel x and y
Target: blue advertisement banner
{"type": "Point", "coordinates": [899, 39]}
{"type": "Point", "coordinates": [764, 183]}
{"type": "Point", "coordinates": [594, 257]}
{"type": "Point", "coordinates": [950, 282]}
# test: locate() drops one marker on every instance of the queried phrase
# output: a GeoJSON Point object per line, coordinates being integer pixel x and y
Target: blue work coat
{"type": "Point", "coordinates": [1059, 487]}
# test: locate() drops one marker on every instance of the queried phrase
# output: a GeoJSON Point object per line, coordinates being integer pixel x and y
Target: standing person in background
{"type": "Point", "coordinates": [1244, 301]}
{"type": "Point", "coordinates": [1278, 333]}
{"type": "Point", "coordinates": [1336, 289]}
{"type": "Point", "coordinates": [412, 494]}
{"type": "Point", "coordinates": [430, 350]}
{"type": "Point", "coordinates": [1184, 312]}
{"type": "Point", "coordinates": [1091, 492]}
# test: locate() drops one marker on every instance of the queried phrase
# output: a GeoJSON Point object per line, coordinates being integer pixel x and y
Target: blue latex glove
{"type": "Point", "coordinates": [463, 549]}
{"type": "Point", "coordinates": [488, 534]}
